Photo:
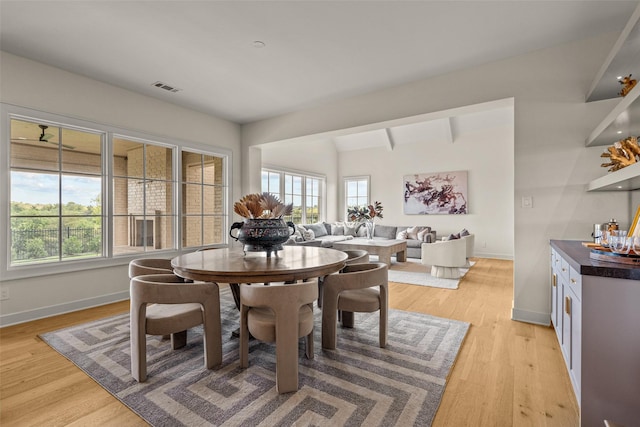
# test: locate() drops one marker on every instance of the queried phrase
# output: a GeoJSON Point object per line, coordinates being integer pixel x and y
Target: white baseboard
{"type": "Point", "coordinates": [53, 310]}
{"type": "Point", "coordinates": [534, 317]}
{"type": "Point", "coordinates": [478, 254]}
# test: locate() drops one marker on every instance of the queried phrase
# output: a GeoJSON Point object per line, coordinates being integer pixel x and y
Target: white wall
{"type": "Point", "coordinates": [30, 84]}
{"type": "Point", "coordinates": [551, 162]}
{"type": "Point", "coordinates": [318, 156]}
{"type": "Point", "coordinates": [486, 155]}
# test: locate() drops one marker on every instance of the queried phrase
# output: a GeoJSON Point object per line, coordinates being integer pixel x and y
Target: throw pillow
{"type": "Point", "coordinates": [350, 229]}
{"type": "Point", "coordinates": [402, 235]}
{"type": "Point", "coordinates": [412, 232]}
{"type": "Point", "coordinates": [297, 236]}
{"type": "Point", "coordinates": [318, 229]}
{"type": "Point", "coordinates": [464, 232]}
{"type": "Point", "coordinates": [424, 235]}
{"type": "Point", "coordinates": [337, 230]}
{"type": "Point", "coordinates": [337, 227]}
{"type": "Point", "coordinates": [306, 234]}
{"type": "Point", "coordinates": [453, 236]}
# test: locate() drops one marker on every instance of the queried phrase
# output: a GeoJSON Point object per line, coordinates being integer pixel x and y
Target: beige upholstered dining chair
{"type": "Point", "coordinates": [280, 313]}
{"type": "Point", "coordinates": [357, 288]}
{"type": "Point", "coordinates": [356, 256]}
{"type": "Point", "coordinates": [163, 304]}
{"type": "Point", "coordinates": [142, 266]}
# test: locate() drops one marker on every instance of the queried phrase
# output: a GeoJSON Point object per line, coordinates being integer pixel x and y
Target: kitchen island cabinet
{"type": "Point", "coordinates": [597, 321]}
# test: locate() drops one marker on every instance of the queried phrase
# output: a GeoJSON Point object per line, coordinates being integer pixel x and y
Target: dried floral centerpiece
{"type": "Point", "coordinates": [263, 229]}
{"type": "Point", "coordinates": [366, 215]}
{"type": "Point", "coordinates": [627, 84]}
{"type": "Point", "coordinates": [622, 154]}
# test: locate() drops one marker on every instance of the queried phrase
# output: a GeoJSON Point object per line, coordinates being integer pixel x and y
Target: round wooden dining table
{"type": "Point", "coordinates": [233, 266]}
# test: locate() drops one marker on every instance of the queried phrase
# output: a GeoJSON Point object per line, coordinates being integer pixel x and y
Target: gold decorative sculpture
{"type": "Point", "coordinates": [622, 154]}
{"type": "Point", "coordinates": [627, 84]}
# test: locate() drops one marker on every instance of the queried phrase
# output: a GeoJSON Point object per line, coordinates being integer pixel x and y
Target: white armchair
{"type": "Point", "coordinates": [448, 256]}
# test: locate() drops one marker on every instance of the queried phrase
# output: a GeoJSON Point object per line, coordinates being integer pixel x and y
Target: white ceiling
{"type": "Point", "coordinates": [315, 52]}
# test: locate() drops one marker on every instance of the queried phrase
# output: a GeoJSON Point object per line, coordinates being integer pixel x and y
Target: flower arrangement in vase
{"type": "Point", "coordinates": [367, 215]}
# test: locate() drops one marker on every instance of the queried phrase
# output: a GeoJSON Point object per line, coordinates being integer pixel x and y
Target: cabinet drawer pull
{"type": "Point", "coordinates": [554, 280]}
{"type": "Point", "coordinates": [573, 281]}
{"type": "Point", "coordinates": [567, 305]}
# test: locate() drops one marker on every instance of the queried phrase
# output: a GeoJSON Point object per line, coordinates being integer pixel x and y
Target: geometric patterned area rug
{"type": "Point", "coordinates": [413, 272]}
{"type": "Point", "coordinates": [358, 384]}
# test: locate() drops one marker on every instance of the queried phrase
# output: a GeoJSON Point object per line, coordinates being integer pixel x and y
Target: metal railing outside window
{"type": "Point", "coordinates": [43, 243]}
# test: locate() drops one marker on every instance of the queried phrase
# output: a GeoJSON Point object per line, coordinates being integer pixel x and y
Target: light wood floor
{"type": "Point", "coordinates": [507, 374]}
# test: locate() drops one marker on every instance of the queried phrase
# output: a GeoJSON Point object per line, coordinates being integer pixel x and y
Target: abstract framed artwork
{"type": "Point", "coordinates": [436, 193]}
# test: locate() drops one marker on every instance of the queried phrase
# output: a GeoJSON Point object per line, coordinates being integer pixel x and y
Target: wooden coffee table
{"type": "Point", "coordinates": [381, 247]}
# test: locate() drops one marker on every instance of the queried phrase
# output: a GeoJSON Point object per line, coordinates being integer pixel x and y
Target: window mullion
{"type": "Point", "coordinates": [202, 210]}
{"type": "Point", "coordinates": [60, 207]}
{"type": "Point", "coordinates": [304, 198]}
{"type": "Point", "coordinates": [106, 208]}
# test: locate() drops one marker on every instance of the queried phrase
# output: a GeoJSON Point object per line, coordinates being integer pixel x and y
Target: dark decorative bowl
{"type": "Point", "coordinates": [258, 235]}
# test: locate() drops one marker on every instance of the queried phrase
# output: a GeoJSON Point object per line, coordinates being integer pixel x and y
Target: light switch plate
{"type": "Point", "coordinates": [527, 202]}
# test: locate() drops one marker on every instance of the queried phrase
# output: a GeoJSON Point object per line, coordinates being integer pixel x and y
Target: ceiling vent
{"type": "Point", "coordinates": [165, 86]}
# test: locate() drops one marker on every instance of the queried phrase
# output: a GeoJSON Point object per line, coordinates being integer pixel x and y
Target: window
{"type": "Point", "coordinates": [356, 192]}
{"type": "Point", "coordinates": [83, 194]}
{"type": "Point", "coordinates": [271, 182]}
{"type": "Point", "coordinates": [203, 200]}
{"type": "Point", "coordinates": [143, 187]}
{"type": "Point", "coordinates": [303, 190]}
{"type": "Point", "coordinates": [312, 202]}
{"type": "Point", "coordinates": [56, 193]}
{"type": "Point", "coordinates": [293, 194]}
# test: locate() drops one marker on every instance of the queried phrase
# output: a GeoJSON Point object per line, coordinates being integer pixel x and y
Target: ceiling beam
{"type": "Point", "coordinates": [390, 142]}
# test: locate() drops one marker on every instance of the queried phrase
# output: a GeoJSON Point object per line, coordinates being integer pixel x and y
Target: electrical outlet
{"type": "Point", "coordinates": [484, 244]}
{"type": "Point", "coordinates": [4, 293]}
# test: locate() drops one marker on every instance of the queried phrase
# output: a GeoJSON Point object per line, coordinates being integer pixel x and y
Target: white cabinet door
{"type": "Point", "coordinates": [556, 295]}
{"type": "Point", "coordinates": [566, 323]}
{"type": "Point", "coordinates": [572, 335]}
{"type": "Point", "coordinates": [576, 344]}
{"type": "Point", "coordinates": [575, 292]}
{"type": "Point", "coordinates": [554, 300]}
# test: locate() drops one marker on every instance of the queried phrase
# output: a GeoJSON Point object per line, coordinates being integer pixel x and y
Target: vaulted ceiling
{"type": "Point", "coordinates": [441, 127]}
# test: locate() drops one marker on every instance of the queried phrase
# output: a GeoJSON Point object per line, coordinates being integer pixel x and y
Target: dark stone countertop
{"type": "Point", "coordinates": [578, 258]}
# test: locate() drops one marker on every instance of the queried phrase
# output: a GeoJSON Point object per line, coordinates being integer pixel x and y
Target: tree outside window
{"type": "Point", "coordinates": [356, 192]}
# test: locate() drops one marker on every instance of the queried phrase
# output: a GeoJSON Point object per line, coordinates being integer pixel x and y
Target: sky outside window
{"type": "Point", "coordinates": [42, 188]}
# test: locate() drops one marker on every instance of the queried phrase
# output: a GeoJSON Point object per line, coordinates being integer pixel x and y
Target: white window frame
{"type": "Point", "coordinates": [322, 199]}
{"type": "Point", "coordinates": [153, 141]}
{"type": "Point", "coordinates": [346, 180]}
{"type": "Point", "coordinates": [9, 112]}
{"type": "Point", "coordinates": [226, 163]}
